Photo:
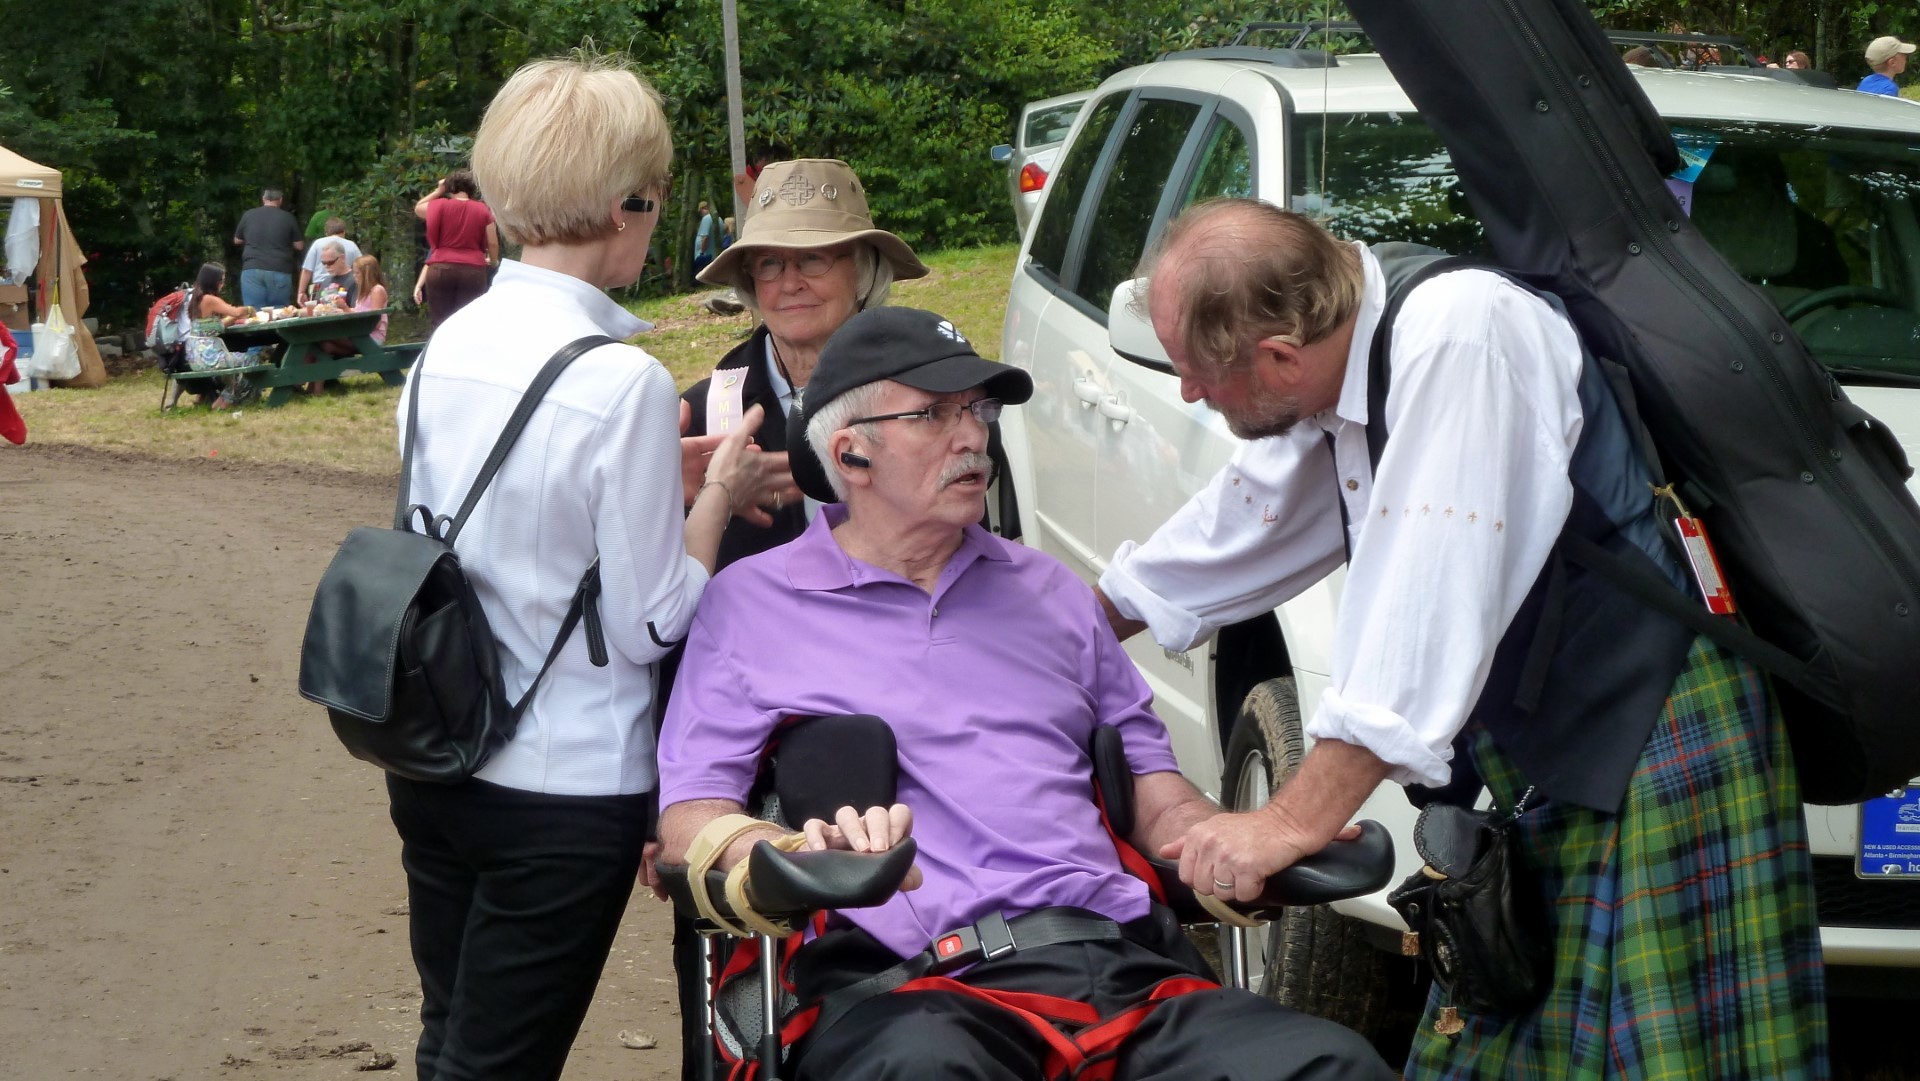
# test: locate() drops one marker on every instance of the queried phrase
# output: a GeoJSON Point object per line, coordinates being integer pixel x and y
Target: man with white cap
{"type": "Point", "coordinates": [1887, 56]}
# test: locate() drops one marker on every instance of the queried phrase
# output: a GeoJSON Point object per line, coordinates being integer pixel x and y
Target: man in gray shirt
{"type": "Point", "coordinates": [269, 239]}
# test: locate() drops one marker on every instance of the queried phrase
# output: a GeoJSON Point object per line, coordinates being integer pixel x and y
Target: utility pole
{"type": "Point", "coordinates": [736, 120]}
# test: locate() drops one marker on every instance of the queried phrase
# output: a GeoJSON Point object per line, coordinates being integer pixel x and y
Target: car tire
{"type": "Point", "coordinates": [1314, 960]}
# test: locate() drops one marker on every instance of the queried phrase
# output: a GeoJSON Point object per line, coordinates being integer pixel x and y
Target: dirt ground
{"type": "Point", "coordinates": [196, 881]}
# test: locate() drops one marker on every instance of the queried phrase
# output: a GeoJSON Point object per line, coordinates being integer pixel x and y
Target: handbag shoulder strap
{"type": "Point", "coordinates": [529, 401]}
{"type": "Point", "coordinates": [585, 606]}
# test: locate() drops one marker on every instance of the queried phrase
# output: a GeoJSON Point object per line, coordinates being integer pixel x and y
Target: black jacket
{"type": "Point", "coordinates": [742, 538]}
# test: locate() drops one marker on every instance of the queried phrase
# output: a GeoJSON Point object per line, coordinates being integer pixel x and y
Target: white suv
{"type": "Point", "coordinates": [1810, 193]}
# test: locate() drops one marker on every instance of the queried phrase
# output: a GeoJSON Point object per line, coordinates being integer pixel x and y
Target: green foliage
{"type": "Point", "coordinates": [167, 117]}
{"type": "Point", "coordinates": [379, 204]}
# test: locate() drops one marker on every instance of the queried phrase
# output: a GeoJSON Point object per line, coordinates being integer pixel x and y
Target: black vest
{"type": "Point", "coordinates": [1584, 670]}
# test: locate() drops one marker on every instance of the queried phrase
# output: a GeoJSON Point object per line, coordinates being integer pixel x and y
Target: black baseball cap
{"type": "Point", "coordinates": [917, 348]}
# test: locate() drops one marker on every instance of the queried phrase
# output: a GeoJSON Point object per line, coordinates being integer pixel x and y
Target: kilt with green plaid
{"type": "Point", "coordinates": [1685, 940]}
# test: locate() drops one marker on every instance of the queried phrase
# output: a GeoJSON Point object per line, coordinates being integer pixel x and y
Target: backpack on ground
{"type": "Point", "coordinates": [167, 327]}
{"type": "Point", "coordinates": [1802, 492]}
{"type": "Point", "coordinates": [397, 646]}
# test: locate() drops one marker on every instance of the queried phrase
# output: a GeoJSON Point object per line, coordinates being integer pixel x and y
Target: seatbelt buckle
{"type": "Point", "coordinates": [982, 941]}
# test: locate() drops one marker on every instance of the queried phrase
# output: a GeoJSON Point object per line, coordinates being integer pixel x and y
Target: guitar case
{"type": "Point", "coordinates": [1802, 493]}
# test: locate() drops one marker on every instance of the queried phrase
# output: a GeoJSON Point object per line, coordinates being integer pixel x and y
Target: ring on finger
{"type": "Point", "coordinates": [1219, 885]}
{"type": "Point", "coordinates": [776, 501]}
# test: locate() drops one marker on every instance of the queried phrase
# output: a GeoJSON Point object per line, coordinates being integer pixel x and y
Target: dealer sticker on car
{"type": "Point", "coordinates": [1890, 834]}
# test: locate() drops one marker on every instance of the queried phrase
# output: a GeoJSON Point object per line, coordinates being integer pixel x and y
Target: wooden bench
{"type": "Point", "coordinates": [221, 373]}
{"type": "Point", "coordinates": [406, 352]}
{"type": "Point", "coordinates": [178, 381]}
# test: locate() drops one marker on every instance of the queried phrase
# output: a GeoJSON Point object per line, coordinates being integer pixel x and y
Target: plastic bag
{"type": "Point", "coordinates": [54, 354]}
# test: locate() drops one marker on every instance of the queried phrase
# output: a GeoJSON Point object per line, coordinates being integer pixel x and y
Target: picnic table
{"type": "Point", "coordinates": [302, 337]}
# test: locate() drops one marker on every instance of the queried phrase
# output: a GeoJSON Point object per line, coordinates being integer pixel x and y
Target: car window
{"type": "Point", "coordinates": [1377, 177]}
{"type": "Point", "coordinates": [1068, 183]}
{"type": "Point", "coordinates": [1226, 166]}
{"type": "Point", "coordinates": [1050, 125]}
{"type": "Point", "coordinates": [1131, 195]}
{"type": "Point", "coordinates": [1821, 219]}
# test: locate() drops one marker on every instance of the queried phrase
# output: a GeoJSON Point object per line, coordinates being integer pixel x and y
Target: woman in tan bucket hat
{"type": "Point", "coordinates": [808, 258]}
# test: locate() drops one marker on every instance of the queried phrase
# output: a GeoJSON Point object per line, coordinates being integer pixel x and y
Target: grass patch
{"type": "Point", "coordinates": [352, 427]}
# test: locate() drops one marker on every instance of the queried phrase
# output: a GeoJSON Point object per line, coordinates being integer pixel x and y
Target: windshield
{"type": "Point", "coordinates": [1821, 219]}
{"type": "Point", "coordinates": [1050, 125]}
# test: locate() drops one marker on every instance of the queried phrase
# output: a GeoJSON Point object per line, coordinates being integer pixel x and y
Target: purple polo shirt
{"type": "Point", "coordinates": [993, 685]}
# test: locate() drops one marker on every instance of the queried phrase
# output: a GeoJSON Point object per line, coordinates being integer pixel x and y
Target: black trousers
{"type": "Point", "coordinates": [687, 974]}
{"type": "Point", "coordinates": [1218, 1035]}
{"type": "Point", "coordinates": [515, 899]}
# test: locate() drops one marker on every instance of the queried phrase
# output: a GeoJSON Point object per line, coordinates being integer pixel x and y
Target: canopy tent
{"type": "Point", "coordinates": [60, 257]}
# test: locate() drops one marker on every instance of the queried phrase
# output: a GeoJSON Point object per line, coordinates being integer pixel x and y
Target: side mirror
{"type": "Point", "coordinates": [1001, 154]}
{"type": "Point", "coordinates": [1129, 330]}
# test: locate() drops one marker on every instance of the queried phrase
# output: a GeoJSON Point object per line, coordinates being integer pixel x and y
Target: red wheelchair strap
{"type": "Point", "coordinates": [1103, 1040]}
{"type": "Point", "coordinates": [1130, 857]}
{"type": "Point", "coordinates": [1099, 1038]}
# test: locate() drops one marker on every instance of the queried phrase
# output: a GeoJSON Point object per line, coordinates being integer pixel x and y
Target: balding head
{"type": "Point", "coordinates": [1228, 273]}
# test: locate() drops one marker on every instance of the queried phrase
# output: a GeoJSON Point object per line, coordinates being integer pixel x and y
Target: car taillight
{"type": "Point", "coordinates": [1032, 178]}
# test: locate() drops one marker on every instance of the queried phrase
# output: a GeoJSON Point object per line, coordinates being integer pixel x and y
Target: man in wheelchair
{"type": "Point", "coordinates": [993, 665]}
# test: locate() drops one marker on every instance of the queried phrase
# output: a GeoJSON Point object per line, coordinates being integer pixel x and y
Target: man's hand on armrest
{"type": "Point", "coordinates": [878, 830]}
{"type": "Point", "coordinates": [1311, 809]}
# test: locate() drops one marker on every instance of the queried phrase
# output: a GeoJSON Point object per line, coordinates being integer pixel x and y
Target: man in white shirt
{"type": "Point", "coordinates": [313, 271]}
{"type": "Point", "coordinates": [1668, 781]}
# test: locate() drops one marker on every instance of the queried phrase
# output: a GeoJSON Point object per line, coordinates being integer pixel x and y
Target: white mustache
{"type": "Point", "coordinates": [970, 462]}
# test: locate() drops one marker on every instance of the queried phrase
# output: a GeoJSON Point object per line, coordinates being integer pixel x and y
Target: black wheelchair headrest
{"type": "Point", "coordinates": [1113, 779]}
{"type": "Point", "coordinates": [822, 764]}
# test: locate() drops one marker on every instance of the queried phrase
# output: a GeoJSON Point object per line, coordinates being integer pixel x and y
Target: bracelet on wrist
{"type": "Point", "coordinates": [720, 484]}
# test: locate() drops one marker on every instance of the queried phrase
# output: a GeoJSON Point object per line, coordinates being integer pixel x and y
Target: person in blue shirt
{"type": "Point", "coordinates": [706, 242]}
{"type": "Point", "coordinates": [1887, 56]}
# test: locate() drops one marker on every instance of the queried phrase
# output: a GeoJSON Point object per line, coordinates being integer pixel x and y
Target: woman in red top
{"type": "Point", "coordinates": [465, 243]}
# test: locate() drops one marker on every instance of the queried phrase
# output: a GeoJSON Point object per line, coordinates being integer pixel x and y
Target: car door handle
{"type": "Point", "coordinates": [1087, 391]}
{"type": "Point", "coordinates": [1111, 409]}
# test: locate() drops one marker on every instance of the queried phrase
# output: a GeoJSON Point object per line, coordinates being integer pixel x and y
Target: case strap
{"type": "Point", "coordinates": [1634, 576]}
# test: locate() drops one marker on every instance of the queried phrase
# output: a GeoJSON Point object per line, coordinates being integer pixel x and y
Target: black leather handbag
{"type": "Point", "coordinates": [1478, 913]}
{"type": "Point", "coordinates": [397, 646]}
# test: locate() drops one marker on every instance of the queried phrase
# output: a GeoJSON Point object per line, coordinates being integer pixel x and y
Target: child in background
{"type": "Point", "coordinates": [372, 287]}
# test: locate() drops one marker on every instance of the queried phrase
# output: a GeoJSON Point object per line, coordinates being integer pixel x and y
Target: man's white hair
{"type": "Point", "coordinates": [331, 246]}
{"type": "Point", "coordinates": [833, 416]}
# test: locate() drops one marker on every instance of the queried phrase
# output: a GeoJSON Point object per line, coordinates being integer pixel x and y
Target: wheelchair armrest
{"type": "Point", "coordinates": [783, 884]}
{"type": "Point", "coordinates": [793, 883]}
{"type": "Point", "coordinates": [1341, 870]}
{"type": "Point", "coordinates": [680, 888]}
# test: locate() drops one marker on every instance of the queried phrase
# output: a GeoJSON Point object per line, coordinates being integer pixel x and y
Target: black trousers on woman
{"type": "Point", "coordinates": [515, 898]}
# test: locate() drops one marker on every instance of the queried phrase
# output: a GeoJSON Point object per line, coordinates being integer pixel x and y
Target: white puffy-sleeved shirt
{"type": "Point", "coordinates": [597, 470]}
{"type": "Point", "coordinates": [1446, 538]}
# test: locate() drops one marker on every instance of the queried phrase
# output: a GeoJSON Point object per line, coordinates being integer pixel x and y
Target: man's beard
{"type": "Point", "coordinates": [1267, 414]}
